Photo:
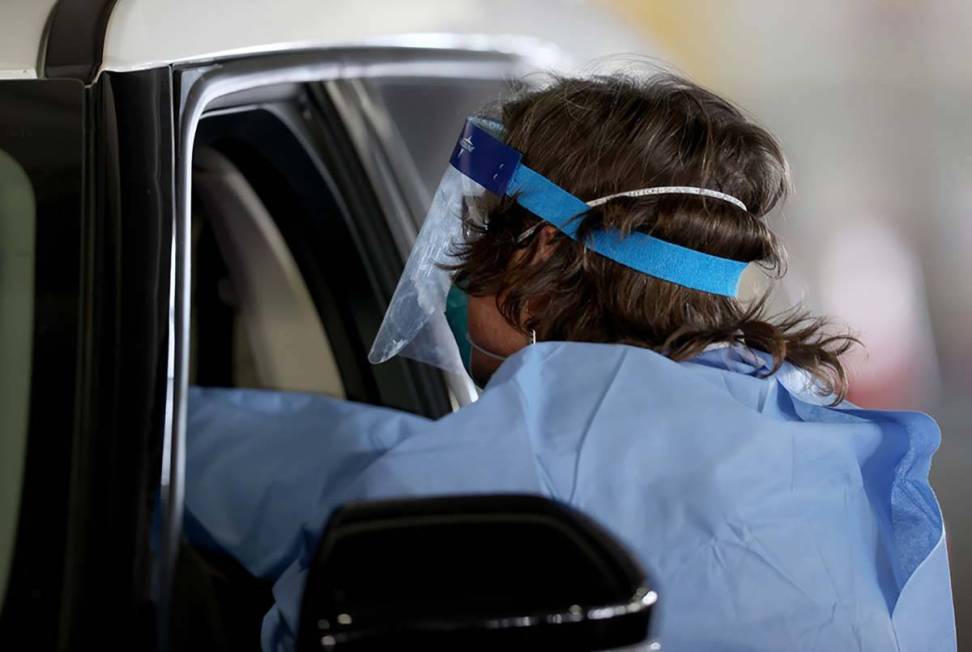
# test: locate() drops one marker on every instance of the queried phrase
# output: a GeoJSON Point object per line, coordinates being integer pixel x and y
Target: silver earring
{"type": "Point", "coordinates": [533, 336]}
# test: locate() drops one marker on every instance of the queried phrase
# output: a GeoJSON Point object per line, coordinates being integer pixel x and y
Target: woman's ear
{"type": "Point", "coordinates": [546, 241]}
{"type": "Point", "coordinates": [545, 247]}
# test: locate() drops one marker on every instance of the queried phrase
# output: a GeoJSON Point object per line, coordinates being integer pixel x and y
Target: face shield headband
{"type": "Point", "coordinates": [499, 169]}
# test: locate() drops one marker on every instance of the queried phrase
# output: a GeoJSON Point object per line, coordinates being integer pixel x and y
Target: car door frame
{"type": "Point", "coordinates": [199, 87]}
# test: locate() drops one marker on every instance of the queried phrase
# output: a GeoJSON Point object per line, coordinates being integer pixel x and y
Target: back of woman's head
{"type": "Point", "coordinates": [605, 135]}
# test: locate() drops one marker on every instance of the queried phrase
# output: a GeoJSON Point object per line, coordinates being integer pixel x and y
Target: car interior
{"type": "Point", "coordinates": [285, 295]}
{"type": "Point", "coordinates": [250, 285]}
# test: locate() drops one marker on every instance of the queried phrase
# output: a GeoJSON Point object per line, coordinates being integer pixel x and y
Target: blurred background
{"type": "Point", "coordinates": [870, 100]}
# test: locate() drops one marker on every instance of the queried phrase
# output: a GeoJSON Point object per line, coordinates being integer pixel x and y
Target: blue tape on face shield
{"type": "Point", "coordinates": [425, 320]}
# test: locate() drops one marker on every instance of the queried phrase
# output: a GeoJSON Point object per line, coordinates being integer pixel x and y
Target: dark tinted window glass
{"type": "Point", "coordinates": [17, 218]}
{"type": "Point", "coordinates": [429, 114]}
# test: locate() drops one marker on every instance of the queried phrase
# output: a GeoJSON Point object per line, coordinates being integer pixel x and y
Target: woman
{"type": "Point", "coordinates": [595, 231]}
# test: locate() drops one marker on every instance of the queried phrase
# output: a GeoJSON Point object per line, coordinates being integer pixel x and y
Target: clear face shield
{"type": "Point", "coordinates": [415, 324]}
{"type": "Point", "coordinates": [482, 168]}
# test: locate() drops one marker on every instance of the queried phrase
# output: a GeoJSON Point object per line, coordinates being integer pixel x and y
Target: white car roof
{"type": "Point", "coordinates": [149, 33]}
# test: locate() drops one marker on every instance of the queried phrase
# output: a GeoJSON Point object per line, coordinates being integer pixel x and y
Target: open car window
{"type": "Point", "coordinates": [293, 261]}
{"type": "Point", "coordinates": [252, 303]}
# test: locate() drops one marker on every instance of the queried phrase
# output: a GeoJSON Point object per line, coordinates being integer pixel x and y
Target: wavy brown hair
{"type": "Point", "coordinates": [603, 135]}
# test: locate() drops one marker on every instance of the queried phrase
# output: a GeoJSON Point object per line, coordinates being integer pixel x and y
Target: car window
{"type": "Point", "coordinates": [429, 114]}
{"type": "Point", "coordinates": [17, 217]}
{"type": "Point", "coordinates": [278, 198]}
{"type": "Point", "coordinates": [41, 253]}
{"type": "Point", "coordinates": [253, 303]}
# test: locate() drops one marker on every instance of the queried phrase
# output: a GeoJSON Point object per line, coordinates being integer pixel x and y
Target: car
{"type": "Point", "coordinates": [215, 193]}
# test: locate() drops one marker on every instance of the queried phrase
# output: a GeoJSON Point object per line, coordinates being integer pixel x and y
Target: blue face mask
{"type": "Point", "coordinates": [457, 314]}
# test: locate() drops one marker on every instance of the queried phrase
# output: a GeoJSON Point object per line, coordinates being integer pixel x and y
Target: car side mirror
{"type": "Point", "coordinates": [471, 573]}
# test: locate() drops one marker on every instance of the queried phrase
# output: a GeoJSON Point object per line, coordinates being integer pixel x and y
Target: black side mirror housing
{"type": "Point", "coordinates": [471, 573]}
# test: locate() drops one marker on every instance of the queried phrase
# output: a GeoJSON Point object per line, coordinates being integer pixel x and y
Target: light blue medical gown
{"type": "Point", "coordinates": [766, 520]}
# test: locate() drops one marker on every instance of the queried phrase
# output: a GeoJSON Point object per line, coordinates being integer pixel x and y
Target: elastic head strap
{"type": "Point", "coordinates": [670, 190]}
